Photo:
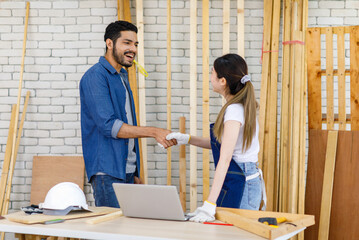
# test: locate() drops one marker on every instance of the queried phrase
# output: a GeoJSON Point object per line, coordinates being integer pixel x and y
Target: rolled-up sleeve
{"type": "Point", "coordinates": [116, 128]}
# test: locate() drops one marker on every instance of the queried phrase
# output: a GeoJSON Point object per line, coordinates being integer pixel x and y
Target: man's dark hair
{"type": "Point", "coordinates": [114, 29]}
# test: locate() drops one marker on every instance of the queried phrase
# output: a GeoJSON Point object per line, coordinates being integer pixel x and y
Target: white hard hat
{"type": "Point", "coordinates": [64, 196]}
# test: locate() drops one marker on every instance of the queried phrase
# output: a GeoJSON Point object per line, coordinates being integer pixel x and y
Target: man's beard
{"type": "Point", "coordinates": [120, 59]}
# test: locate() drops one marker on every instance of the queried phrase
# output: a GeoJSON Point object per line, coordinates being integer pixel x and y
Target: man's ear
{"type": "Point", "coordinates": [109, 43]}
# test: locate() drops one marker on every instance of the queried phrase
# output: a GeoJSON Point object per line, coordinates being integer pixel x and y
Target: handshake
{"type": "Point", "coordinates": [180, 139]}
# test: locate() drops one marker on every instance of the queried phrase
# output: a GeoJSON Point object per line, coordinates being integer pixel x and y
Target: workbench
{"type": "Point", "coordinates": [125, 228]}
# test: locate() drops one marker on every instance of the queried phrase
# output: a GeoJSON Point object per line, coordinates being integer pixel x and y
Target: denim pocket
{"type": "Point", "coordinates": [221, 197]}
{"type": "Point", "coordinates": [254, 193]}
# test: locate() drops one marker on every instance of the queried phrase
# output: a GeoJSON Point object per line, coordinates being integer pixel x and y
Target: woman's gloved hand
{"type": "Point", "coordinates": [203, 214]}
{"type": "Point", "coordinates": [181, 138]}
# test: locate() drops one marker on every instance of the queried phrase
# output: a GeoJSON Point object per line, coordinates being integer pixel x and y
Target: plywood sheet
{"type": "Point", "coordinates": [315, 173]}
{"type": "Point", "coordinates": [48, 171]}
{"type": "Point", "coordinates": [344, 220]}
{"type": "Point", "coordinates": [22, 217]}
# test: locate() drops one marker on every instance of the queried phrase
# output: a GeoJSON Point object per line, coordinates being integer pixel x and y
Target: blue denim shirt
{"type": "Point", "coordinates": [103, 99]}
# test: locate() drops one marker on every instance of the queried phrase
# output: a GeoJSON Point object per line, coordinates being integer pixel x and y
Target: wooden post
{"type": "Point", "coordinates": [272, 175]}
{"type": "Point", "coordinates": [284, 123]}
{"type": "Point", "coordinates": [120, 11]}
{"type": "Point", "coordinates": [314, 79]}
{"type": "Point", "coordinates": [182, 166]}
{"type": "Point", "coordinates": [169, 155]}
{"type": "Point", "coordinates": [205, 90]}
{"type": "Point", "coordinates": [226, 22]}
{"type": "Point", "coordinates": [193, 103]}
{"type": "Point", "coordinates": [240, 27]}
{"type": "Point", "coordinates": [341, 78]}
{"type": "Point", "coordinates": [354, 77]}
{"type": "Point", "coordinates": [142, 88]}
{"type": "Point", "coordinates": [328, 181]}
{"type": "Point", "coordinates": [329, 77]}
{"type": "Point", "coordinates": [6, 164]}
{"type": "Point", "coordinates": [134, 87]}
{"type": "Point", "coordinates": [267, 26]}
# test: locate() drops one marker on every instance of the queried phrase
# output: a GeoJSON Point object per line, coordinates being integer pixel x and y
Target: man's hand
{"type": "Point", "coordinates": [161, 138]}
{"type": "Point", "coordinates": [204, 214]}
{"type": "Point", "coordinates": [137, 180]}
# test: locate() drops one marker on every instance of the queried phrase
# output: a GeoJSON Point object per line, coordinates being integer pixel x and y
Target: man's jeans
{"type": "Point", "coordinates": [103, 191]}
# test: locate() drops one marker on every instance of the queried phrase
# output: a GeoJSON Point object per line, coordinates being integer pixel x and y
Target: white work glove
{"type": "Point", "coordinates": [203, 214]}
{"type": "Point", "coordinates": [180, 137]}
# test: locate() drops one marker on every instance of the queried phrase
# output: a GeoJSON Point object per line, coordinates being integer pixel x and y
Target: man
{"type": "Point", "coordinates": [108, 120]}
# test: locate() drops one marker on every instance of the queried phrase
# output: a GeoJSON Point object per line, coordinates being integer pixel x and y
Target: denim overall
{"type": "Point", "coordinates": [233, 186]}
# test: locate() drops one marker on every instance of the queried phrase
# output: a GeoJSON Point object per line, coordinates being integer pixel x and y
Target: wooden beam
{"type": "Point", "coordinates": [141, 89]}
{"type": "Point", "coordinates": [205, 93]}
{"type": "Point", "coordinates": [314, 79]}
{"type": "Point", "coordinates": [182, 166]}
{"type": "Point", "coordinates": [341, 79]}
{"type": "Point", "coordinates": [328, 181]}
{"type": "Point", "coordinates": [240, 27]}
{"type": "Point", "coordinates": [284, 123]}
{"type": "Point", "coordinates": [354, 77]}
{"type": "Point", "coordinates": [6, 163]}
{"type": "Point", "coordinates": [226, 24]}
{"type": "Point", "coordinates": [169, 73]}
{"type": "Point", "coordinates": [120, 12]}
{"type": "Point", "coordinates": [193, 103]}
{"type": "Point", "coordinates": [329, 78]}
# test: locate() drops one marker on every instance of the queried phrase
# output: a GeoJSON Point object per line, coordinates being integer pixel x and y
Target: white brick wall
{"type": "Point", "coordinates": [66, 37]}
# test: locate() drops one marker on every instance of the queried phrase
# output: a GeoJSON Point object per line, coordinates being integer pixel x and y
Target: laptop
{"type": "Point", "coordinates": [149, 201]}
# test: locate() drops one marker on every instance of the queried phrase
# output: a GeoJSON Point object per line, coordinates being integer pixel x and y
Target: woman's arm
{"type": "Point", "coordinates": [200, 142]}
{"type": "Point", "coordinates": [230, 137]}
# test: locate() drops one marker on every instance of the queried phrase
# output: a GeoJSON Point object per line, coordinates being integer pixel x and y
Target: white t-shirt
{"type": "Point", "coordinates": [235, 112]}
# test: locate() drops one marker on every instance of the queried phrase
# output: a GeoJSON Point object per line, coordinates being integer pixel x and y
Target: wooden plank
{"type": "Point", "coordinates": [354, 77]}
{"type": "Point", "coordinates": [265, 77]}
{"type": "Point", "coordinates": [6, 163]}
{"type": "Point", "coordinates": [272, 175]}
{"type": "Point", "coordinates": [169, 73]}
{"type": "Point", "coordinates": [240, 27]}
{"type": "Point", "coordinates": [22, 217]}
{"type": "Point", "coordinates": [133, 83]}
{"type": "Point", "coordinates": [314, 184]}
{"type": "Point", "coordinates": [335, 72]}
{"type": "Point", "coordinates": [120, 12]}
{"type": "Point", "coordinates": [344, 221]}
{"type": "Point", "coordinates": [267, 26]}
{"type": "Point", "coordinates": [326, 205]}
{"type": "Point", "coordinates": [341, 79]}
{"type": "Point", "coordinates": [205, 94]}
{"type": "Point", "coordinates": [294, 167]}
{"type": "Point", "coordinates": [105, 218]}
{"type": "Point", "coordinates": [314, 79]}
{"type": "Point", "coordinates": [193, 103]}
{"type": "Point", "coordinates": [47, 171]}
{"type": "Point", "coordinates": [329, 77]}
{"type": "Point", "coordinates": [226, 23]}
{"type": "Point", "coordinates": [182, 166]}
{"type": "Point", "coordinates": [284, 123]}
{"type": "Point", "coordinates": [141, 90]}
{"type": "Point", "coordinates": [248, 220]}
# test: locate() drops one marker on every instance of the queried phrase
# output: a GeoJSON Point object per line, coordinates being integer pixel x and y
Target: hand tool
{"type": "Point", "coordinates": [271, 220]}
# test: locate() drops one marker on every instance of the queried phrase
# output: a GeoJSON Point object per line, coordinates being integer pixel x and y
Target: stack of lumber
{"type": "Point", "coordinates": [288, 169]}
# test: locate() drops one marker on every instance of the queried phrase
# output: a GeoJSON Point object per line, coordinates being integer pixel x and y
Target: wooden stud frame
{"type": "Point", "coordinates": [169, 73]}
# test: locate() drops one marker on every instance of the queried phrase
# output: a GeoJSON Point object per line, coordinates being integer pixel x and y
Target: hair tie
{"type": "Point", "coordinates": [245, 79]}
